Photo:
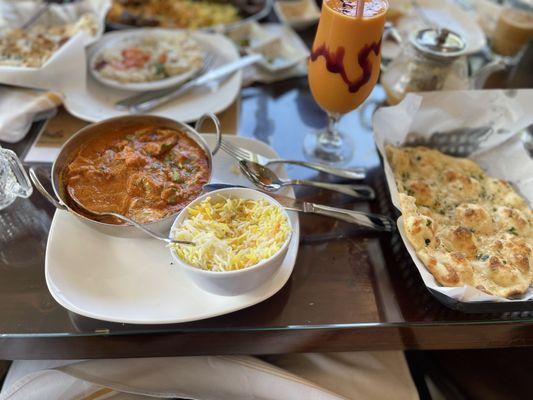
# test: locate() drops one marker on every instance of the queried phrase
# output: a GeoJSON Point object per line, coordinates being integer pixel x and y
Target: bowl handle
{"type": "Point", "coordinates": [34, 176]}
{"type": "Point", "coordinates": [215, 120]}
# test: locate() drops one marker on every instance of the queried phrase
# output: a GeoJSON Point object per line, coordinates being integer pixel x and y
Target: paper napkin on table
{"type": "Point", "coordinates": [257, 74]}
{"type": "Point", "coordinates": [66, 68]}
{"type": "Point", "coordinates": [19, 108]}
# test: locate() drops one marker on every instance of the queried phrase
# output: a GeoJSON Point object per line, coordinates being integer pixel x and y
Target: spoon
{"type": "Point", "coordinates": [264, 178]}
{"type": "Point", "coordinates": [124, 218]}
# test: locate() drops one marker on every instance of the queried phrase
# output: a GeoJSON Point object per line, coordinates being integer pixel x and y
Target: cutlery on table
{"type": "Point", "coordinates": [147, 101]}
{"type": "Point", "coordinates": [123, 104]}
{"type": "Point", "coordinates": [376, 222]}
{"type": "Point", "coordinates": [264, 178]}
{"type": "Point", "coordinates": [240, 153]}
{"type": "Point", "coordinates": [124, 218]}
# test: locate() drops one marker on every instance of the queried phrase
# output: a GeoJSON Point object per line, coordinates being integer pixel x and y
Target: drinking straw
{"type": "Point", "coordinates": [360, 9]}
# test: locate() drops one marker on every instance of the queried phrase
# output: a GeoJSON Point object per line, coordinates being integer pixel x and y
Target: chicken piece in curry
{"type": "Point", "coordinates": [146, 175]}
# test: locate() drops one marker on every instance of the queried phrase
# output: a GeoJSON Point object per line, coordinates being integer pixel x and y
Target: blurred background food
{"type": "Point", "coordinates": [32, 47]}
{"type": "Point", "coordinates": [172, 13]}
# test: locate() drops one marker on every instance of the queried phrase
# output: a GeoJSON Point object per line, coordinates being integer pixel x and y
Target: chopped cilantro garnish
{"type": "Point", "coordinates": [160, 70]}
{"type": "Point", "coordinates": [165, 147]}
{"type": "Point", "coordinates": [172, 199]}
{"type": "Point", "coordinates": [428, 222]}
{"type": "Point", "coordinates": [176, 177]}
{"type": "Point", "coordinates": [512, 230]}
{"type": "Point", "coordinates": [155, 166]}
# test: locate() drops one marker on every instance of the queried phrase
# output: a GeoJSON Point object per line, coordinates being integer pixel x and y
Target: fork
{"type": "Point", "coordinates": [240, 153]}
{"type": "Point", "coordinates": [128, 102]}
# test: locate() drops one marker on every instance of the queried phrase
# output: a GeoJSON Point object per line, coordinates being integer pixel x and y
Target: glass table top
{"type": "Point", "coordinates": [343, 278]}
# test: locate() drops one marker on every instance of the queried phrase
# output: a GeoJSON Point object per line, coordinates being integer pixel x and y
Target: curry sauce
{"type": "Point", "coordinates": [147, 174]}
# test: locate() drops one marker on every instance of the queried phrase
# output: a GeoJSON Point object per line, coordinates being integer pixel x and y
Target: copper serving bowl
{"type": "Point", "coordinates": [61, 199]}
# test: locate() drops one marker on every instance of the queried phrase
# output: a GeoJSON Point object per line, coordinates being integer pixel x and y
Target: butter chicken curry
{"type": "Point", "coordinates": [147, 174]}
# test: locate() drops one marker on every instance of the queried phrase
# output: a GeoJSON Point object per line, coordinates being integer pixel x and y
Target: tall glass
{"type": "Point", "coordinates": [343, 69]}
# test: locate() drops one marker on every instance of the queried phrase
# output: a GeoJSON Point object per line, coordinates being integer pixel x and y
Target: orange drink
{"type": "Point", "coordinates": [343, 67]}
{"type": "Point", "coordinates": [345, 60]}
{"type": "Point", "coordinates": [513, 30]}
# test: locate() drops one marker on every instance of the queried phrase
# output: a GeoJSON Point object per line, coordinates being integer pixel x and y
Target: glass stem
{"type": "Point", "coordinates": [331, 137]}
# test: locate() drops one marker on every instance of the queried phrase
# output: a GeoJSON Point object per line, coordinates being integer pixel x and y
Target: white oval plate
{"type": "Point", "coordinates": [97, 101]}
{"type": "Point", "coordinates": [118, 38]}
{"type": "Point", "coordinates": [133, 280]}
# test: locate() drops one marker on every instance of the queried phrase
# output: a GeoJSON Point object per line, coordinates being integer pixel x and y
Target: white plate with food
{"type": "Point", "coordinates": [97, 101]}
{"type": "Point", "coordinates": [35, 46]}
{"type": "Point", "coordinates": [143, 60]}
{"type": "Point", "coordinates": [50, 53]}
{"type": "Point", "coordinates": [466, 220]}
{"type": "Point", "coordinates": [135, 280]}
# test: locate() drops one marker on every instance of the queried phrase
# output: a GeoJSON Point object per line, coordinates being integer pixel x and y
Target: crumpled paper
{"type": "Point", "coordinates": [67, 66]}
{"type": "Point", "coordinates": [485, 126]}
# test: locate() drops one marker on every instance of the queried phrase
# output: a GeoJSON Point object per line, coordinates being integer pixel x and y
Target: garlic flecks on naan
{"type": "Point", "coordinates": [466, 227]}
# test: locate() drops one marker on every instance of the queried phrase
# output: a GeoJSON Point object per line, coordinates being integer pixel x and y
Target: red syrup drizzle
{"type": "Point", "coordinates": [335, 63]}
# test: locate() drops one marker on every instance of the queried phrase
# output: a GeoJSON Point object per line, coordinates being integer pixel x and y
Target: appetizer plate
{"type": "Point", "coordinates": [97, 101]}
{"type": "Point", "coordinates": [134, 280]}
{"type": "Point", "coordinates": [121, 39]}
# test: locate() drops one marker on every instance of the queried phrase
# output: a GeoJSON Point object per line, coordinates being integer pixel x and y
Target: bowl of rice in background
{"type": "Point", "coordinates": [241, 237]}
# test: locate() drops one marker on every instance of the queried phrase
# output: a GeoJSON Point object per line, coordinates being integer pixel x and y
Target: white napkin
{"type": "Point", "coordinates": [257, 74]}
{"type": "Point", "coordinates": [67, 66]}
{"type": "Point", "coordinates": [215, 378]}
{"type": "Point", "coordinates": [19, 108]}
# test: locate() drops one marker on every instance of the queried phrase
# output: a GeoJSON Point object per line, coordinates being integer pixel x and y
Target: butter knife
{"type": "Point", "coordinates": [147, 101]}
{"type": "Point", "coordinates": [376, 222]}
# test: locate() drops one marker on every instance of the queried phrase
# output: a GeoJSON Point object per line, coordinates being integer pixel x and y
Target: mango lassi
{"type": "Point", "coordinates": [345, 60]}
